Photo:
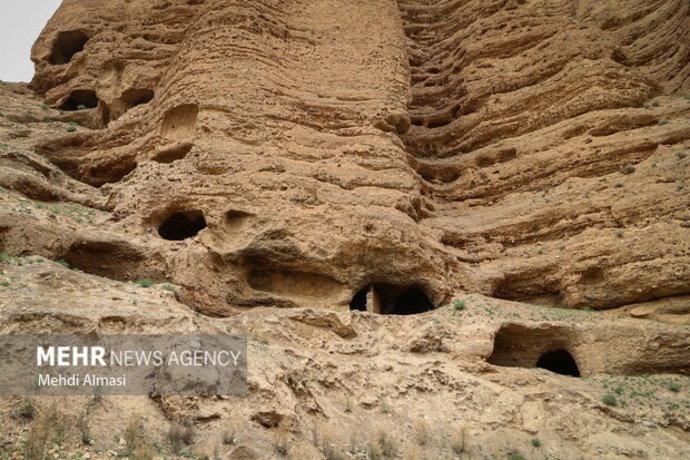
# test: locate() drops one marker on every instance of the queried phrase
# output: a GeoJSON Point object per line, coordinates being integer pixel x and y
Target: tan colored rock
{"type": "Point", "coordinates": [280, 163]}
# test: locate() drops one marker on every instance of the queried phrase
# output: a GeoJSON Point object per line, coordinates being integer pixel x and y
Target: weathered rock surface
{"type": "Point", "coordinates": [281, 162]}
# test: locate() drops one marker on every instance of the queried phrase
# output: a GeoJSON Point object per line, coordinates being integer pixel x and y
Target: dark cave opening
{"type": "Point", "coordinates": [80, 99]}
{"type": "Point", "coordinates": [66, 45]}
{"type": "Point", "coordinates": [560, 362]}
{"type": "Point", "coordinates": [359, 300]}
{"type": "Point", "coordinates": [182, 225]}
{"type": "Point", "coordinates": [388, 299]}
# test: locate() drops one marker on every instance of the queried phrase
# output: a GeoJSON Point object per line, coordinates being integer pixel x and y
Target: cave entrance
{"type": "Point", "coordinates": [80, 99]}
{"type": "Point", "coordinates": [560, 362]}
{"type": "Point", "coordinates": [388, 299]}
{"type": "Point", "coordinates": [182, 225]}
{"type": "Point", "coordinates": [66, 45]}
{"type": "Point", "coordinates": [359, 300]}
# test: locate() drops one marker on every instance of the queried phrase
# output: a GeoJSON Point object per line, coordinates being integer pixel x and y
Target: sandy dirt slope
{"type": "Point", "coordinates": [405, 205]}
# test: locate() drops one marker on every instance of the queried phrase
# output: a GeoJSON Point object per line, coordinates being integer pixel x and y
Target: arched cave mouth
{"type": "Point", "coordinates": [545, 347]}
{"type": "Point", "coordinates": [388, 299]}
{"type": "Point", "coordinates": [560, 362]}
{"type": "Point", "coordinates": [80, 99]}
{"type": "Point", "coordinates": [66, 45]}
{"type": "Point", "coordinates": [182, 225]}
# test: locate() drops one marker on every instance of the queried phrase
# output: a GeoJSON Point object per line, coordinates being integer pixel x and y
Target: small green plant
{"type": "Point", "coordinates": [609, 399]}
{"type": "Point", "coordinates": [662, 122]}
{"type": "Point", "coordinates": [389, 448]}
{"type": "Point", "coordinates": [385, 407]}
{"type": "Point", "coordinates": [516, 456]}
{"type": "Point", "coordinates": [26, 410]}
{"type": "Point", "coordinates": [458, 440]}
{"type": "Point", "coordinates": [134, 434]}
{"type": "Point", "coordinates": [57, 422]}
{"type": "Point", "coordinates": [63, 262]}
{"type": "Point", "coordinates": [144, 282]}
{"type": "Point", "coordinates": [536, 442]}
{"type": "Point", "coordinates": [627, 169]}
{"type": "Point", "coordinates": [421, 432]}
{"type": "Point", "coordinates": [348, 405]}
{"type": "Point", "coordinates": [180, 435]}
{"type": "Point", "coordinates": [168, 287]}
{"type": "Point", "coordinates": [35, 446]}
{"type": "Point", "coordinates": [71, 129]}
{"type": "Point", "coordinates": [84, 430]}
{"type": "Point", "coordinates": [459, 305]}
{"type": "Point", "coordinates": [674, 387]}
{"type": "Point", "coordinates": [3, 146]}
{"type": "Point", "coordinates": [681, 155]}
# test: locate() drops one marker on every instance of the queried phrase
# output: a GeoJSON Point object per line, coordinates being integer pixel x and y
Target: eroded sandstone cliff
{"type": "Point", "coordinates": [283, 162]}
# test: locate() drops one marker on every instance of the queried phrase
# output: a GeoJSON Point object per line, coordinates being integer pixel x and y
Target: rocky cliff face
{"type": "Point", "coordinates": [529, 156]}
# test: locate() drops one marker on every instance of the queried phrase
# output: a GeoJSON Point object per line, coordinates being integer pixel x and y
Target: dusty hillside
{"type": "Point", "coordinates": [404, 204]}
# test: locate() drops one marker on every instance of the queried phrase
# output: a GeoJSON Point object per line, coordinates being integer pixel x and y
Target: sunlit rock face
{"type": "Point", "coordinates": [294, 153]}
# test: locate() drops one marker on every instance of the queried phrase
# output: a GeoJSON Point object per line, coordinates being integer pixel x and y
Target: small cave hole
{"type": "Point", "coordinates": [560, 362]}
{"type": "Point", "coordinates": [182, 225]}
{"type": "Point", "coordinates": [359, 300]}
{"type": "Point", "coordinates": [66, 45]}
{"type": "Point", "coordinates": [411, 302]}
{"type": "Point", "coordinates": [389, 299]}
{"type": "Point", "coordinates": [80, 99]}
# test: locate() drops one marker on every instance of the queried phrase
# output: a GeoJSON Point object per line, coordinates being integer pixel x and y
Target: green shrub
{"type": "Point", "coordinates": [536, 442]}
{"type": "Point", "coordinates": [385, 407]}
{"type": "Point", "coordinates": [84, 430]}
{"type": "Point", "coordinates": [180, 435]}
{"type": "Point", "coordinates": [609, 399]}
{"type": "Point", "coordinates": [348, 405]}
{"type": "Point", "coordinates": [674, 387]}
{"type": "Point", "coordinates": [63, 262]}
{"type": "Point", "coordinates": [144, 282]}
{"type": "Point", "coordinates": [134, 434]}
{"type": "Point", "coordinates": [389, 448]}
{"type": "Point", "coordinates": [71, 129]}
{"type": "Point", "coordinates": [459, 305]}
{"type": "Point", "coordinates": [26, 410]}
